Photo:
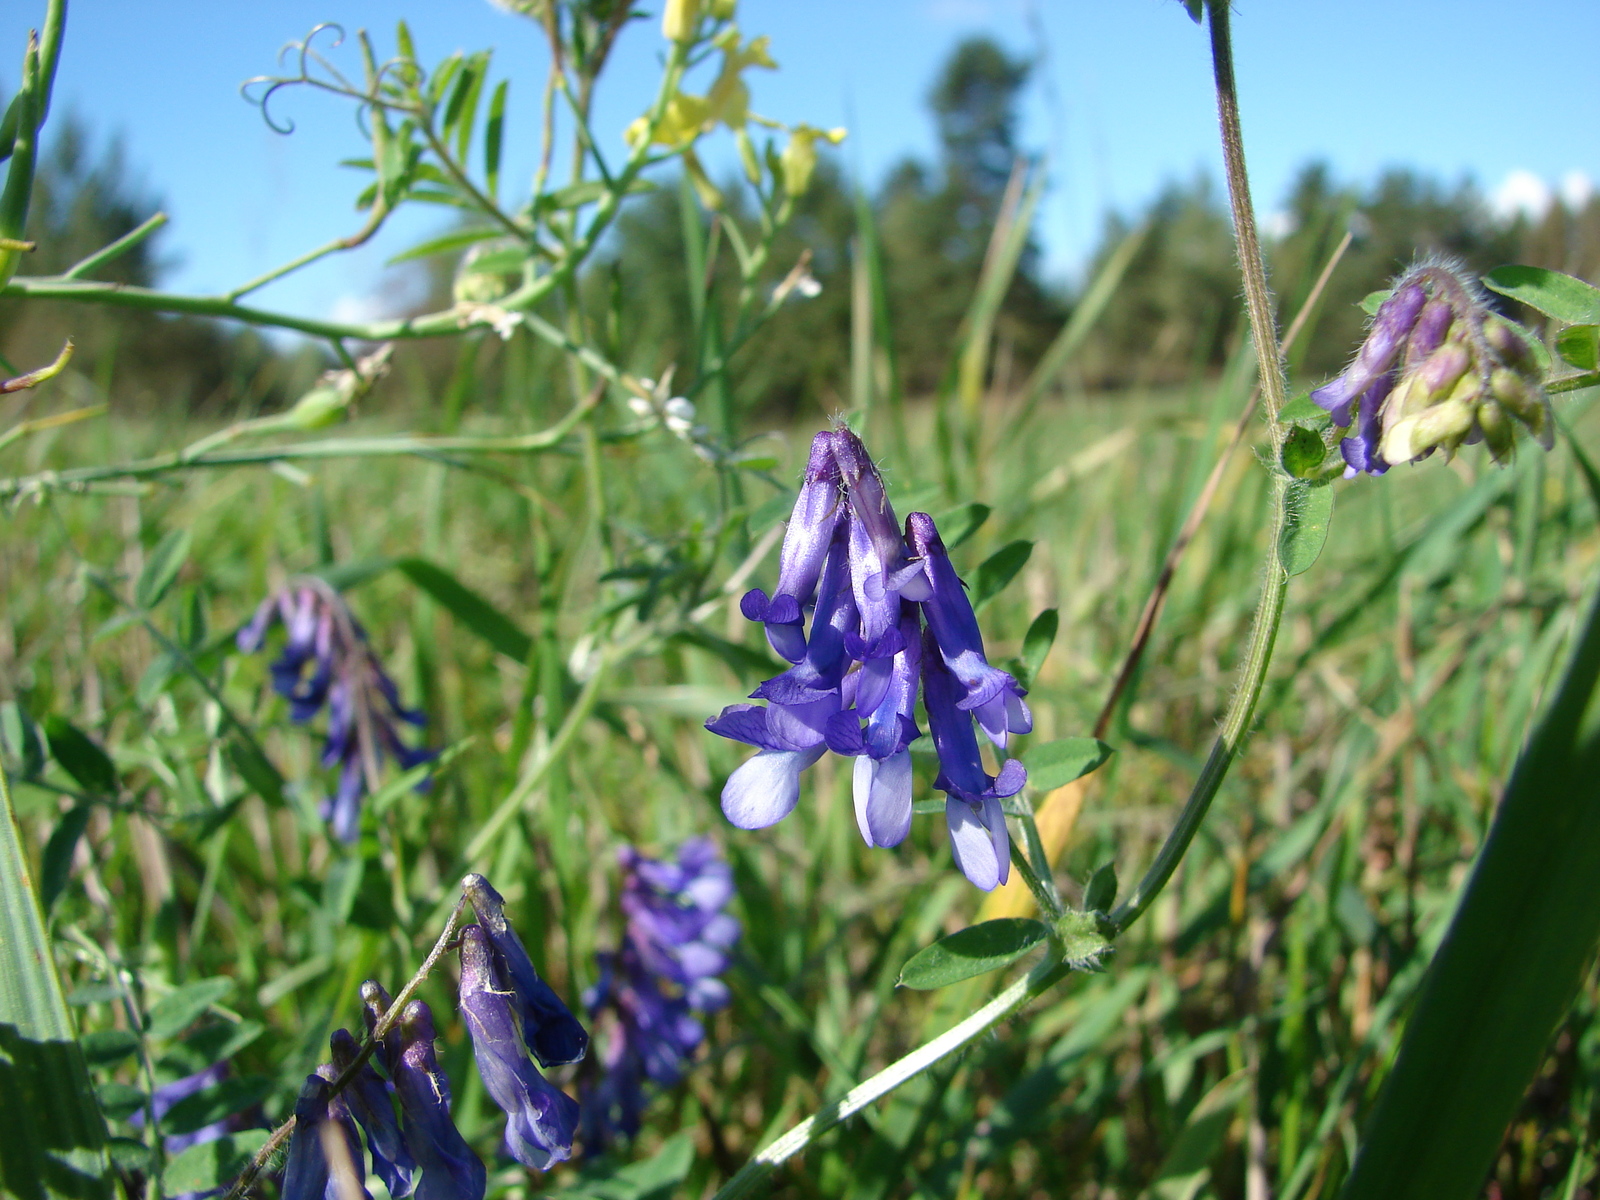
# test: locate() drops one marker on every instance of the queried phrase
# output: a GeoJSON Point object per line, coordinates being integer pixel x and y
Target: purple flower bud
{"type": "Point", "coordinates": [552, 1033]}
{"type": "Point", "coordinates": [1429, 332]}
{"type": "Point", "coordinates": [1360, 449]}
{"type": "Point", "coordinates": [324, 1151]}
{"type": "Point", "coordinates": [1393, 324]}
{"type": "Point", "coordinates": [978, 836]}
{"type": "Point", "coordinates": [447, 1167]}
{"type": "Point", "coordinates": [367, 1097]}
{"type": "Point", "coordinates": [992, 695]}
{"type": "Point", "coordinates": [817, 512]}
{"type": "Point", "coordinates": [870, 508]}
{"type": "Point", "coordinates": [540, 1118]}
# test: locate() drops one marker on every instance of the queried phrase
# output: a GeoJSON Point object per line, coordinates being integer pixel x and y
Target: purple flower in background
{"type": "Point", "coordinates": [541, 1118]}
{"type": "Point", "coordinates": [854, 683]}
{"type": "Point", "coordinates": [367, 1098]}
{"type": "Point", "coordinates": [549, 1029]}
{"type": "Point", "coordinates": [447, 1169]}
{"type": "Point", "coordinates": [326, 661]}
{"type": "Point", "coordinates": [676, 942]}
{"type": "Point", "coordinates": [324, 1150]}
{"type": "Point", "coordinates": [1438, 370]}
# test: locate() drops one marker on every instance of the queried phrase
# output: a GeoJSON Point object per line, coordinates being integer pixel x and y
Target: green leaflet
{"type": "Point", "coordinates": [974, 950]}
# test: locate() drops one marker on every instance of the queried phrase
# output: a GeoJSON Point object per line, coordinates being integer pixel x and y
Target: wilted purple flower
{"type": "Point", "coordinates": [324, 1151]}
{"type": "Point", "coordinates": [978, 836]}
{"type": "Point", "coordinates": [363, 703]}
{"type": "Point", "coordinates": [549, 1029]}
{"type": "Point", "coordinates": [817, 511]}
{"type": "Point", "coordinates": [676, 942]}
{"type": "Point", "coordinates": [992, 695]}
{"type": "Point", "coordinates": [367, 1098]}
{"type": "Point", "coordinates": [1437, 370]}
{"type": "Point", "coordinates": [447, 1167]}
{"type": "Point", "coordinates": [541, 1118]}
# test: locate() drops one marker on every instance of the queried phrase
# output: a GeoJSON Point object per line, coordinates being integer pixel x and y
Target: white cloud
{"type": "Point", "coordinates": [1521, 193]}
{"type": "Point", "coordinates": [1576, 188]}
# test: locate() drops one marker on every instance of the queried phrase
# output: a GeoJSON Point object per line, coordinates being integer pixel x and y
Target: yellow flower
{"type": "Point", "coordinates": [679, 19]}
{"type": "Point", "coordinates": [799, 158]}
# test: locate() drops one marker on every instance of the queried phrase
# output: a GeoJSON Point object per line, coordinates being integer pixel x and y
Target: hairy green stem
{"type": "Point", "coordinates": [1269, 608]}
{"type": "Point", "coordinates": [769, 1158]}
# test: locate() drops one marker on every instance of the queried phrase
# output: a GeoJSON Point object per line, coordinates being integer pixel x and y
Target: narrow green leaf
{"type": "Point", "coordinates": [22, 741]}
{"type": "Point", "coordinates": [210, 1165]}
{"type": "Point", "coordinates": [108, 1047]}
{"type": "Point", "coordinates": [975, 950]}
{"type": "Point", "coordinates": [1580, 346]}
{"type": "Point", "coordinates": [1057, 763]}
{"type": "Point", "coordinates": [957, 525]}
{"type": "Point", "coordinates": [161, 568]}
{"type": "Point", "coordinates": [155, 678]}
{"type": "Point", "coordinates": [468, 607]}
{"type": "Point", "coordinates": [119, 1101]}
{"type": "Point", "coordinates": [1310, 509]}
{"type": "Point", "coordinates": [80, 757]}
{"type": "Point", "coordinates": [221, 1099]}
{"type": "Point", "coordinates": [1037, 641]}
{"type": "Point", "coordinates": [1372, 301]}
{"type": "Point", "coordinates": [256, 769]}
{"type": "Point", "coordinates": [129, 1154]}
{"type": "Point", "coordinates": [494, 135]}
{"type": "Point", "coordinates": [52, 1136]}
{"type": "Point", "coordinates": [1303, 410]}
{"type": "Point", "coordinates": [1101, 892]}
{"type": "Point", "coordinates": [999, 569]}
{"type": "Point", "coordinates": [447, 243]}
{"type": "Point", "coordinates": [1568, 300]}
{"type": "Point", "coordinates": [179, 1009]}
{"type": "Point", "coordinates": [55, 864]}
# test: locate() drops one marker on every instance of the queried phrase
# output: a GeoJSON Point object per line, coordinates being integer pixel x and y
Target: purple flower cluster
{"type": "Point", "coordinates": [513, 1018]}
{"type": "Point", "coordinates": [326, 661]}
{"type": "Point", "coordinates": [888, 613]}
{"type": "Point", "coordinates": [164, 1097]}
{"type": "Point", "coordinates": [1437, 370]}
{"type": "Point", "coordinates": [676, 943]}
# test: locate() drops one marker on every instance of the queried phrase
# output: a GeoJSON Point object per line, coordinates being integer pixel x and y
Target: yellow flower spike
{"type": "Point", "coordinates": [680, 19]}
{"type": "Point", "coordinates": [799, 157]}
{"type": "Point", "coordinates": [729, 98]}
{"type": "Point", "coordinates": [684, 120]}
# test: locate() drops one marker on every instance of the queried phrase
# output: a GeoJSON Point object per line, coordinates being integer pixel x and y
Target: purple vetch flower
{"type": "Point", "coordinates": [993, 696]}
{"type": "Point", "coordinates": [978, 836]}
{"type": "Point", "coordinates": [324, 1150]}
{"type": "Point", "coordinates": [882, 776]}
{"type": "Point", "coordinates": [676, 941]}
{"type": "Point", "coordinates": [363, 703]}
{"type": "Point", "coordinates": [1391, 326]}
{"type": "Point", "coordinates": [540, 1118]}
{"type": "Point", "coordinates": [367, 1097]}
{"type": "Point", "coordinates": [1438, 370]}
{"type": "Point", "coordinates": [817, 512]}
{"type": "Point", "coordinates": [447, 1169]}
{"type": "Point", "coordinates": [549, 1029]}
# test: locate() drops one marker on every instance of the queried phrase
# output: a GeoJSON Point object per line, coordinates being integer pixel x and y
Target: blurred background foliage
{"type": "Point", "coordinates": [1241, 1032]}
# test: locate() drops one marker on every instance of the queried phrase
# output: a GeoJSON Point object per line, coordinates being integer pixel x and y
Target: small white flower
{"type": "Point", "coordinates": [640, 406]}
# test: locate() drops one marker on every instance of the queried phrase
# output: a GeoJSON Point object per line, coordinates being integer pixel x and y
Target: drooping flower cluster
{"type": "Point", "coordinates": [1438, 370]}
{"type": "Point", "coordinates": [513, 1018]}
{"type": "Point", "coordinates": [854, 683]}
{"type": "Point", "coordinates": [675, 944]}
{"type": "Point", "coordinates": [326, 660]}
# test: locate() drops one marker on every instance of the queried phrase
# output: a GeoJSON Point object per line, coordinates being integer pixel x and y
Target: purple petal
{"type": "Point", "coordinates": [974, 845]}
{"type": "Point", "coordinates": [883, 798]}
{"type": "Point", "coordinates": [766, 788]}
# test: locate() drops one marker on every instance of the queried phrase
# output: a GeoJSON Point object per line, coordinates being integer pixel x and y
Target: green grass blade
{"type": "Point", "coordinates": [1508, 968]}
{"type": "Point", "coordinates": [52, 1137]}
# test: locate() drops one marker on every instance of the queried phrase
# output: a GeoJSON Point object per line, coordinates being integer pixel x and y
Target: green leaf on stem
{"type": "Point", "coordinates": [80, 757]}
{"type": "Point", "coordinates": [494, 137]}
{"type": "Point", "coordinates": [210, 1165]}
{"type": "Point", "coordinates": [1057, 763]}
{"type": "Point", "coordinates": [221, 1099]}
{"type": "Point", "coordinates": [460, 239]}
{"type": "Point", "coordinates": [975, 950]}
{"type": "Point", "coordinates": [1372, 301]}
{"type": "Point", "coordinates": [1303, 410]}
{"type": "Point", "coordinates": [1580, 346]}
{"type": "Point", "coordinates": [1305, 528]}
{"type": "Point", "coordinates": [957, 525]}
{"type": "Point", "coordinates": [161, 568]}
{"type": "Point", "coordinates": [256, 769]}
{"type": "Point", "coordinates": [108, 1047]}
{"type": "Point", "coordinates": [179, 1009]}
{"type": "Point", "coordinates": [55, 864]}
{"type": "Point", "coordinates": [468, 607]}
{"type": "Point", "coordinates": [1101, 891]}
{"type": "Point", "coordinates": [20, 738]}
{"type": "Point", "coordinates": [999, 569]}
{"type": "Point", "coordinates": [1303, 452]}
{"type": "Point", "coordinates": [1569, 300]}
{"type": "Point", "coordinates": [1037, 641]}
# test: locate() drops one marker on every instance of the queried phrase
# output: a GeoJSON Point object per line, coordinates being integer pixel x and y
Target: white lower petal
{"type": "Point", "coordinates": [766, 788]}
{"type": "Point", "coordinates": [973, 845]}
{"type": "Point", "coordinates": [889, 805]}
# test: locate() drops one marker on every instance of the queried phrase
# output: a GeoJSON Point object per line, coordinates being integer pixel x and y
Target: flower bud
{"type": "Point", "coordinates": [679, 19]}
{"type": "Point", "coordinates": [1445, 425]}
{"type": "Point", "coordinates": [1498, 433]}
{"type": "Point", "coordinates": [1525, 401]}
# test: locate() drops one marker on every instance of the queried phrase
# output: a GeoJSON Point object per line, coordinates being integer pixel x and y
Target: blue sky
{"type": "Point", "coordinates": [1120, 101]}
